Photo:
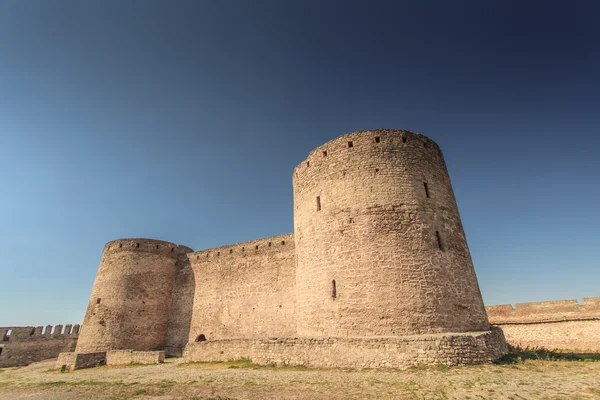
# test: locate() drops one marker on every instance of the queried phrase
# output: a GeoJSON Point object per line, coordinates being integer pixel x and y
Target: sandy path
{"type": "Point", "coordinates": [531, 380]}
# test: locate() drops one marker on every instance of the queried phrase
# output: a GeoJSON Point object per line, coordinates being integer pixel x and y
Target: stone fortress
{"type": "Point", "coordinates": [376, 274]}
{"type": "Point", "coordinates": [378, 259]}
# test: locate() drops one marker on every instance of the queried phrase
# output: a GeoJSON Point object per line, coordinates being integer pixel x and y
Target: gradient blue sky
{"type": "Point", "coordinates": [183, 121]}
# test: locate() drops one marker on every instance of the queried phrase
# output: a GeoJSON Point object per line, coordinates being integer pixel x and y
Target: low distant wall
{"type": "Point", "coordinates": [23, 345]}
{"type": "Point", "coordinates": [121, 357]}
{"type": "Point", "coordinates": [389, 352]}
{"type": "Point", "coordinates": [72, 361]}
{"type": "Point", "coordinates": [561, 324]}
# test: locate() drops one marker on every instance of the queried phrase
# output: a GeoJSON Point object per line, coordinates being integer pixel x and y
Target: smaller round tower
{"type": "Point", "coordinates": [131, 298]}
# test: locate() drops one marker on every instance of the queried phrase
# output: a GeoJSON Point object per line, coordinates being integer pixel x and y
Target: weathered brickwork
{"type": "Point", "coordinates": [246, 290]}
{"type": "Point", "coordinates": [397, 352]}
{"type": "Point", "coordinates": [561, 324]}
{"type": "Point", "coordinates": [24, 345]}
{"type": "Point", "coordinates": [132, 296]}
{"type": "Point", "coordinates": [124, 357]}
{"type": "Point", "coordinates": [374, 211]}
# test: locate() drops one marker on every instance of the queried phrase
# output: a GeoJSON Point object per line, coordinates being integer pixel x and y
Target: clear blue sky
{"type": "Point", "coordinates": [183, 121]}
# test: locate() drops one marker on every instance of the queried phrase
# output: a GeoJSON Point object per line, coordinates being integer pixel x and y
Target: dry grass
{"type": "Point", "coordinates": [529, 379]}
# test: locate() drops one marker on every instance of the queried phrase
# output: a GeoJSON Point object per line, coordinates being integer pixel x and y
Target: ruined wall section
{"type": "Point", "coordinates": [24, 345]}
{"type": "Point", "coordinates": [561, 324]}
{"type": "Point", "coordinates": [131, 298]}
{"type": "Point", "coordinates": [545, 311]}
{"type": "Point", "coordinates": [245, 290]}
{"type": "Point", "coordinates": [374, 211]}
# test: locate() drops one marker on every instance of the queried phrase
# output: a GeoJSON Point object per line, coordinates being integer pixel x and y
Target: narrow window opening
{"type": "Point", "coordinates": [243, 249]}
{"type": "Point", "coordinates": [403, 139]}
{"type": "Point", "coordinates": [230, 251]}
{"type": "Point", "coordinates": [207, 255]}
{"type": "Point", "coordinates": [1, 347]}
{"type": "Point", "coordinates": [32, 332]}
{"type": "Point", "coordinates": [439, 240]}
{"type": "Point", "coordinates": [318, 203]}
{"type": "Point", "coordinates": [157, 246]}
{"type": "Point", "coordinates": [425, 144]}
{"type": "Point", "coordinates": [377, 139]}
{"type": "Point", "coordinates": [172, 249]}
{"type": "Point", "coordinates": [308, 163]}
{"type": "Point", "coordinates": [351, 220]}
{"type": "Point", "coordinates": [283, 242]}
{"type": "Point", "coordinates": [201, 338]}
{"type": "Point", "coordinates": [324, 153]}
{"type": "Point", "coordinates": [120, 245]}
{"type": "Point", "coordinates": [426, 189]}
{"type": "Point", "coordinates": [197, 257]}
{"type": "Point", "coordinates": [98, 300]}
{"type": "Point", "coordinates": [256, 247]}
{"type": "Point", "coordinates": [350, 144]}
{"type": "Point", "coordinates": [269, 244]}
{"type": "Point", "coordinates": [218, 253]}
{"type": "Point", "coordinates": [333, 289]}
{"type": "Point", "coordinates": [137, 245]}
{"type": "Point", "coordinates": [376, 170]}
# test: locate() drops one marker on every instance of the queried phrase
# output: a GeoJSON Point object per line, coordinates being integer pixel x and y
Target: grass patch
{"type": "Point", "coordinates": [518, 355]}
{"type": "Point", "coordinates": [243, 363]}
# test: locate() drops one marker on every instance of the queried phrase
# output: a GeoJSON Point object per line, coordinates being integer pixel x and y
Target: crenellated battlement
{"type": "Point", "coordinates": [545, 311]}
{"type": "Point", "coordinates": [146, 246]}
{"type": "Point", "coordinates": [241, 249]}
{"type": "Point", "coordinates": [9, 334]}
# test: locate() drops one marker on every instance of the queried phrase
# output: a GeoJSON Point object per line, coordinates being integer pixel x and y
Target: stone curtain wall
{"type": "Point", "coordinates": [131, 298]}
{"type": "Point", "coordinates": [25, 345]}
{"type": "Point", "coordinates": [123, 357]}
{"type": "Point", "coordinates": [182, 304]}
{"type": "Point", "coordinates": [374, 211]}
{"type": "Point", "coordinates": [245, 290]}
{"type": "Point", "coordinates": [561, 324]}
{"type": "Point", "coordinates": [399, 352]}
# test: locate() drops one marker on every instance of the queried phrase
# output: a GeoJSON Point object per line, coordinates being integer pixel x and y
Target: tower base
{"type": "Point", "coordinates": [464, 348]}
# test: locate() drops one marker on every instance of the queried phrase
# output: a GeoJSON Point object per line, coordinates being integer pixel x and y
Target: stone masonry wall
{"type": "Point", "coordinates": [245, 290]}
{"type": "Point", "coordinates": [24, 345]}
{"type": "Point", "coordinates": [73, 360]}
{"type": "Point", "coordinates": [124, 357]}
{"type": "Point", "coordinates": [380, 245]}
{"type": "Point", "coordinates": [131, 298]}
{"type": "Point", "coordinates": [399, 352]}
{"type": "Point", "coordinates": [182, 303]}
{"type": "Point", "coordinates": [561, 324]}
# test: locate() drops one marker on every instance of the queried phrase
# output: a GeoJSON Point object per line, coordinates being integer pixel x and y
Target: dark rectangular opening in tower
{"type": "Point", "coordinates": [318, 203]}
{"type": "Point", "coordinates": [377, 139]}
{"type": "Point", "coordinates": [439, 240]}
{"type": "Point", "coordinates": [350, 144]}
{"type": "Point", "coordinates": [426, 189]}
{"type": "Point", "coordinates": [333, 289]}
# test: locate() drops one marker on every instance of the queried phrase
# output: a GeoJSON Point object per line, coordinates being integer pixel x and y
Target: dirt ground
{"type": "Point", "coordinates": [242, 380]}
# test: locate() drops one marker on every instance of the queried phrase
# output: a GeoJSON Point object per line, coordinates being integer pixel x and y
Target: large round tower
{"type": "Point", "coordinates": [131, 297]}
{"type": "Point", "coordinates": [380, 247]}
